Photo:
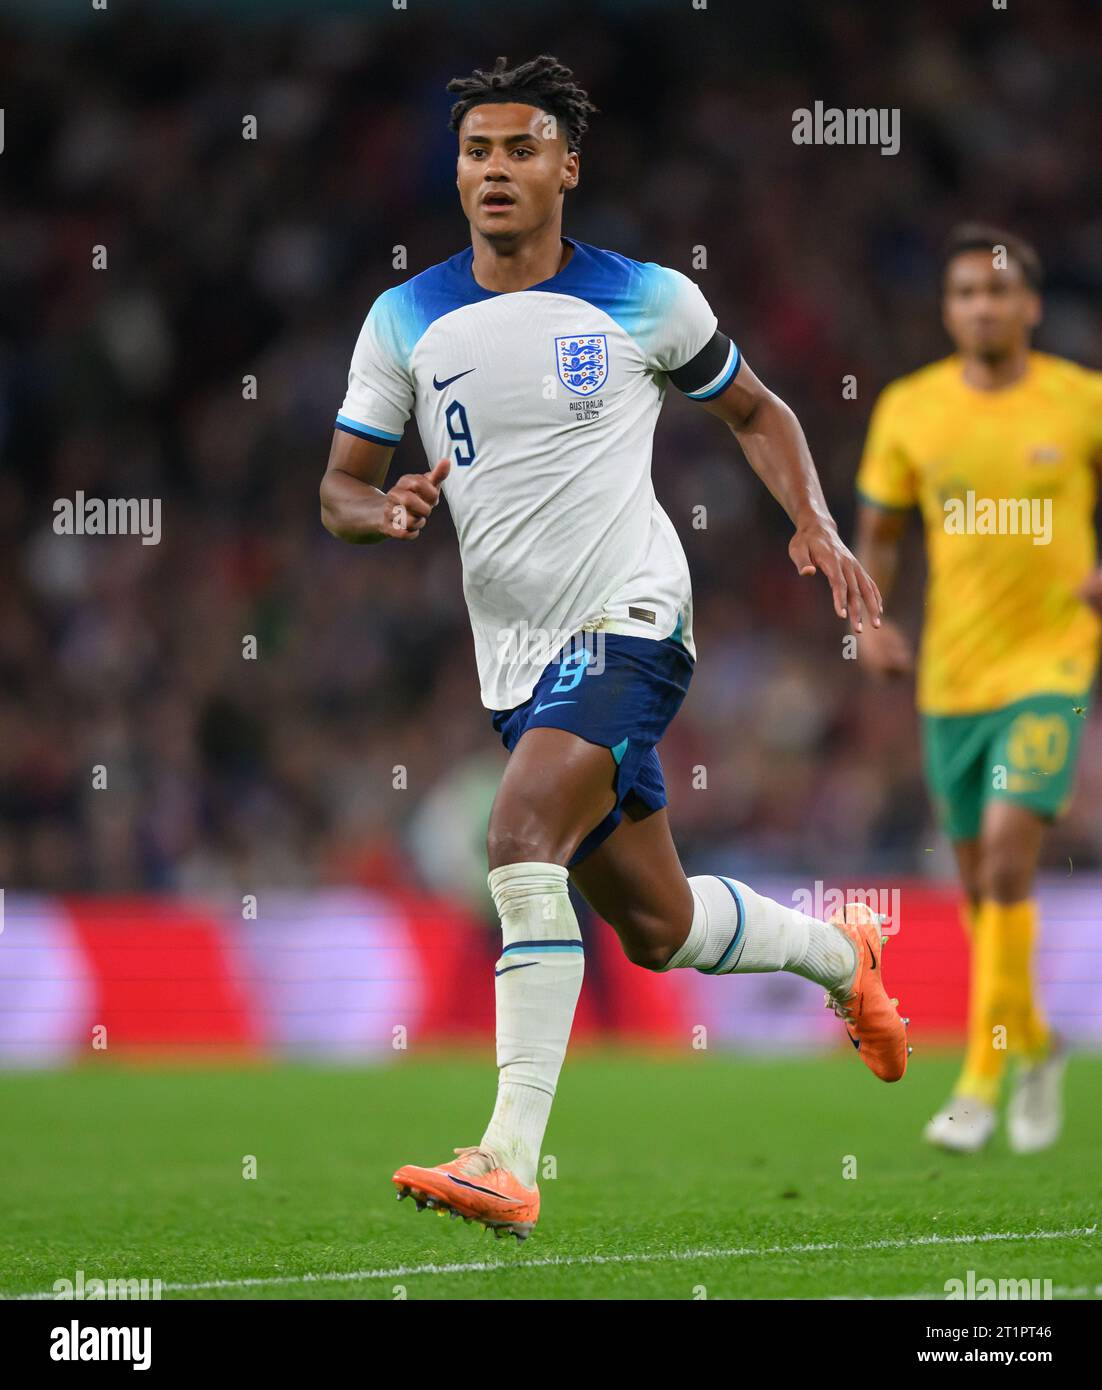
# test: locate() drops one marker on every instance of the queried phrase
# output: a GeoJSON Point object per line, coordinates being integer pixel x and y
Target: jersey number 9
{"type": "Point", "coordinates": [460, 431]}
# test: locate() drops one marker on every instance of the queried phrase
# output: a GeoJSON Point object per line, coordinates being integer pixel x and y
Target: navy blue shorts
{"type": "Point", "coordinates": [617, 691]}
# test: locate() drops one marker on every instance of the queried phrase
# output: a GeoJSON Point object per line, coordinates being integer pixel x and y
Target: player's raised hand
{"type": "Point", "coordinates": [886, 651]}
{"type": "Point", "coordinates": [410, 501]}
{"type": "Point", "coordinates": [817, 546]}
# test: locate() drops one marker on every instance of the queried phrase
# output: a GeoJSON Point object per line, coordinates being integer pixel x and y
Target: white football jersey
{"type": "Point", "coordinates": [545, 400]}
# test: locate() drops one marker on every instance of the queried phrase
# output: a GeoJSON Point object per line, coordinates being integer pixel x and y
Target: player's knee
{"type": "Point", "coordinates": [649, 957]}
{"type": "Point", "coordinates": [1008, 888]}
{"type": "Point", "coordinates": [508, 846]}
{"type": "Point", "coordinates": [647, 948]}
{"type": "Point", "coordinates": [523, 840]}
{"type": "Point", "coordinates": [1005, 880]}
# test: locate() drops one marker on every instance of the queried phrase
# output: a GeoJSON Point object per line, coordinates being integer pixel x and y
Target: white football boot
{"type": "Point", "coordinates": [963, 1125]}
{"type": "Point", "coordinates": [1035, 1115]}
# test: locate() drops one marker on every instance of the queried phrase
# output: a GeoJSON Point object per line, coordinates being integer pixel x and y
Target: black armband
{"type": "Point", "coordinates": [711, 371]}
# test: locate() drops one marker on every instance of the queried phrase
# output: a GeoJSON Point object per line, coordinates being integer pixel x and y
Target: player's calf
{"type": "Point", "coordinates": [737, 931]}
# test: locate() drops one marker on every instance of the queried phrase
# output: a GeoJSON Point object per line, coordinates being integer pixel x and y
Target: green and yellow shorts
{"type": "Point", "coordinates": [1023, 752]}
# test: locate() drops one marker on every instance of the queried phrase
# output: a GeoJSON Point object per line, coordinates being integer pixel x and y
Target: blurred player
{"type": "Point", "coordinates": [999, 446]}
{"type": "Point", "coordinates": [537, 366]}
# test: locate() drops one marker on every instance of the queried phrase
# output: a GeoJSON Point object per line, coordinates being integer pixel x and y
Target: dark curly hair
{"type": "Point", "coordinates": [542, 82]}
{"type": "Point", "coordinates": [978, 236]}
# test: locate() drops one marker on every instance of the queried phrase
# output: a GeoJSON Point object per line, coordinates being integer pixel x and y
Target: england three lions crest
{"type": "Point", "coordinates": [582, 362]}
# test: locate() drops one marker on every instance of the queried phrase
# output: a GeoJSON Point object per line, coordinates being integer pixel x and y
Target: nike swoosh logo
{"type": "Point", "coordinates": [516, 967]}
{"type": "Point", "coordinates": [871, 956]}
{"type": "Point", "coordinates": [552, 703]}
{"type": "Point", "coordinates": [486, 1191]}
{"type": "Point", "coordinates": [441, 384]}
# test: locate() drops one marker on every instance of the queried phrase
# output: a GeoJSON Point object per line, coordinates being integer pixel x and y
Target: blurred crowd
{"type": "Point", "coordinates": [353, 747]}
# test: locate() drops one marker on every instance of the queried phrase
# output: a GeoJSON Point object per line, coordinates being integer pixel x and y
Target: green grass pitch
{"type": "Point", "coordinates": [677, 1177]}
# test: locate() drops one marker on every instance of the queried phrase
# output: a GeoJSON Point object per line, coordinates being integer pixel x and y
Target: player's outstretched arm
{"type": "Point", "coordinates": [774, 443]}
{"type": "Point", "coordinates": [354, 507]}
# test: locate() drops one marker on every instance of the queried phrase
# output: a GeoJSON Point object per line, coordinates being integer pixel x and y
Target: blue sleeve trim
{"type": "Point", "coordinates": [882, 506]}
{"type": "Point", "coordinates": [724, 381]}
{"type": "Point", "coordinates": [375, 436]}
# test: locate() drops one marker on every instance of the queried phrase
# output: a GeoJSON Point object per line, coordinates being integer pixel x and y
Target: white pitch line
{"type": "Point", "coordinates": [559, 1261]}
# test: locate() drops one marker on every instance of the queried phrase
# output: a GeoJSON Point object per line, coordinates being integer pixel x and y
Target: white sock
{"type": "Point", "coordinates": [538, 980]}
{"type": "Point", "coordinates": [736, 931]}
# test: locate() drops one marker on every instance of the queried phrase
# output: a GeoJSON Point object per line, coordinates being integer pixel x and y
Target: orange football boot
{"type": "Point", "coordinates": [873, 1024]}
{"type": "Point", "coordinates": [467, 1188]}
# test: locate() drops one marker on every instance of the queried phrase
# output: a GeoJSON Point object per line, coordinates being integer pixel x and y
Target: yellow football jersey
{"type": "Point", "coordinates": [1006, 483]}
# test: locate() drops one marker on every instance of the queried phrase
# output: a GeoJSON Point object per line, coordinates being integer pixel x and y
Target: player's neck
{"type": "Point", "coordinates": [983, 375]}
{"type": "Point", "coordinates": [525, 263]}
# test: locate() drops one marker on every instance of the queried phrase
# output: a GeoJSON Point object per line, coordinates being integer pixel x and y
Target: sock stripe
{"type": "Point", "coordinates": [567, 945]}
{"type": "Point", "coordinates": [739, 930]}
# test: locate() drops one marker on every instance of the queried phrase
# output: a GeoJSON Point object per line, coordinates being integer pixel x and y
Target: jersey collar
{"type": "Point", "coordinates": [555, 282]}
